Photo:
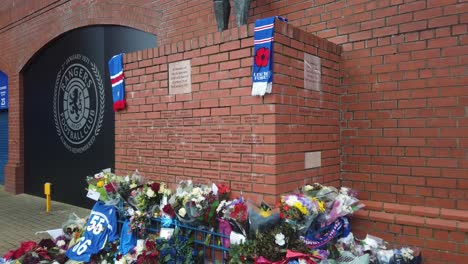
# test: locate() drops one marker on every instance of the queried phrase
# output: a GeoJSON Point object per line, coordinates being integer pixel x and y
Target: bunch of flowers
{"type": "Point", "coordinates": [209, 205]}
{"type": "Point", "coordinates": [106, 184]}
{"type": "Point", "coordinates": [46, 251]}
{"type": "Point", "coordinates": [223, 192]}
{"type": "Point", "coordinates": [239, 211]}
{"type": "Point", "coordinates": [73, 229]}
{"type": "Point", "coordinates": [300, 210]}
{"type": "Point", "coordinates": [146, 196]}
{"type": "Point", "coordinates": [236, 213]}
{"type": "Point", "coordinates": [262, 217]}
{"type": "Point", "coordinates": [270, 246]}
{"type": "Point", "coordinates": [345, 203]}
{"type": "Point", "coordinates": [129, 183]}
{"type": "Point", "coordinates": [149, 255]}
{"type": "Point", "coordinates": [107, 255]}
{"type": "Point", "coordinates": [177, 249]}
{"type": "Point", "coordinates": [190, 201]}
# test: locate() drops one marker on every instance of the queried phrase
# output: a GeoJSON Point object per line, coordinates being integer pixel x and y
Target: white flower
{"type": "Point", "coordinates": [344, 190]}
{"type": "Point", "coordinates": [182, 212]}
{"type": "Point", "coordinates": [291, 200]}
{"type": "Point", "coordinates": [127, 179]}
{"type": "Point", "coordinates": [407, 253]}
{"type": "Point", "coordinates": [302, 261]}
{"type": "Point", "coordinates": [196, 191]}
{"type": "Point", "coordinates": [222, 204]}
{"type": "Point", "coordinates": [121, 261]}
{"type": "Point", "coordinates": [308, 187]}
{"type": "Point", "coordinates": [150, 193]}
{"type": "Point", "coordinates": [279, 239]}
{"type": "Point", "coordinates": [60, 243]}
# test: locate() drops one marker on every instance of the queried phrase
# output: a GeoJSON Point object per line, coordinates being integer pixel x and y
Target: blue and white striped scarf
{"type": "Point", "coordinates": [262, 75]}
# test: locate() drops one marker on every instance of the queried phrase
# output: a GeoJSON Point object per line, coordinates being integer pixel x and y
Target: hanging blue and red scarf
{"type": "Point", "coordinates": [262, 75]}
{"type": "Point", "coordinates": [117, 81]}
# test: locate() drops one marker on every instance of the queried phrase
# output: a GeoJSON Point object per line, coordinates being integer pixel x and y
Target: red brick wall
{"type": "Point", "coordinates": [219, 132]}
{"type": "Point", "coordinates": [27, 26]}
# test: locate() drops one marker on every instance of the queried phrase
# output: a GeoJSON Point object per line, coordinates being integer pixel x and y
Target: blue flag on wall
{"type": "Point", "coordinates": [3, 91]}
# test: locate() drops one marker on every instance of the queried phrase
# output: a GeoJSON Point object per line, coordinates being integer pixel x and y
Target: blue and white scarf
{"type": "Point", "coordinates": [262, 75]}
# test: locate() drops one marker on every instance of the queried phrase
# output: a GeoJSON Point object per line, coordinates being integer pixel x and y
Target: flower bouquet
{"type": "Point", "coordinates": [177, 249]}
{"type": "Point", "coordinates": [270, 247]}
{"type": "Point", "coordinates": [149, 254]}
{"type": "Point", "coordinates": [262, 218]}
{"type": "Point", "coordinates": [146, 196]}
{"type": "Point", "coordinates": [345, 203]}
{"type": "Point", "coordinates": [237, 215]}
{"type": "Point", "coordinates": [105, 184]}
{"type": "Point", "coordinates": [320, 192]}
{"type": "Point", "coordinates": [299, 210]}
{"type": "Point", "coordinates": [404, 255]}
{"type": "Point", "coordinates": [130, 186]}
{"type": "Point", "coordinates": [30, 252]}
{"type": "Point", "coordinates": [223, 192]}
{"type": "Point", "coordinates": [190, 202]}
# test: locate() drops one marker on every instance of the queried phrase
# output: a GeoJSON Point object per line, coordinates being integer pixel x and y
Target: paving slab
{"type": "Point", "coordinates": [22, 216]}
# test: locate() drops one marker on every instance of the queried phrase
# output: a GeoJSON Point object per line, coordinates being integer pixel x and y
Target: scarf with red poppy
{"type": "Point", "coordinates": [262, 75]}
{"type": "Point", "coordinates": [117, 81]}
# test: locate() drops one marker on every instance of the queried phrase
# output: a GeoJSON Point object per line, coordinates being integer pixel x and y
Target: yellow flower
{"type": "Point", "coordinates": [264, 213]}
{"type": "Point", "coordinates": [100, 184]}
{"type": "Point", "coordinates": [321, 206]}
{"type": "Point", "coordinates": [301, 208]}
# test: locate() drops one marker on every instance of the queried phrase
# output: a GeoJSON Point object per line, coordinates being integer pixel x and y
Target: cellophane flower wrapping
{"type": "Point", "coordinates": [107, 185]}
{"type": "Point", "coordinates": [73, 228]}
{"type": "Point", "coordinates": [345, 203]}
{"type": "Point", "coordinates": [300, 210]}
{"type": "Point", "coordinates": [237, 214]}
{"type": "Point", "coordinates": [262, 218]}
{"type": "Point", "coordinates": [190, 202]}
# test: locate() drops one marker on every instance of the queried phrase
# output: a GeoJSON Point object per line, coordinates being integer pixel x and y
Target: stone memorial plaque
{"type": "Point", "coordinates": [180, 77]}
{"type": "Point", "coordinates": [312, 72]}
{"type": "Point", "coordinates": [313, 159]}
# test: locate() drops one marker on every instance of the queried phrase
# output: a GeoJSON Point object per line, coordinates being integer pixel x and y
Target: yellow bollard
{"type": "Point", "coordinates": [47, 193]}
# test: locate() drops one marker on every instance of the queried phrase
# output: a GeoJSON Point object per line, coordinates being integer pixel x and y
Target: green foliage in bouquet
{"type": "Point", "coordinates": [177, 249]}
{"type": "Point", "coordinates": [272, 244]}
{"type": "Point", "coordinates": [107, 254]}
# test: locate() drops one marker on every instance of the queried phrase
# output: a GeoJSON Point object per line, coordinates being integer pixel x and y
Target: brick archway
{"type": "Point", "coordinates": [61, 19]}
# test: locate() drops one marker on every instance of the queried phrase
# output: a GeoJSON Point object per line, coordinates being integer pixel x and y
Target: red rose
{"type": "Point", "coordinates": [110, 188]}
{"type": "Point", "coordinates": [261, 57]}
{"type": "Point", "coordinates": [150, 245]}
{"type": "Point", "coordinates": [155, 187]}
{"type": "Point", "coordinates": [167, 209]}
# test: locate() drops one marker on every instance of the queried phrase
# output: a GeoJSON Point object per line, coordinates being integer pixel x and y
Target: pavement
{"type": "Point", "coordinates": [22, 216]}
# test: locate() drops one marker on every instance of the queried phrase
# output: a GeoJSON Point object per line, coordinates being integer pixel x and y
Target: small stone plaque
{"type": "Point", "coordinates": [312, 72]}
{"type": "Point", "coordinates": [180, 77]}
{"type": "Point", "coordinates": [313, 159]}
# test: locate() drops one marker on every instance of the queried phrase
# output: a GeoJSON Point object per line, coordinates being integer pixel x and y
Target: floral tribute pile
{"type": "Point", "coordinates": [310, 226]}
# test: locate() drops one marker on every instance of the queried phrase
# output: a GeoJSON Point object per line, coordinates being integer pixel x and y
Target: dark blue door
{"type": "Point", "coordinates": [3, 125]}
{"type": "Point", "coordinates": [3, 143]}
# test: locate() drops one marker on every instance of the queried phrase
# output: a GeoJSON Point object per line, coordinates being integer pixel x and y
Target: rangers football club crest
{"type": "Point", "coordinates": [79, 101]}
